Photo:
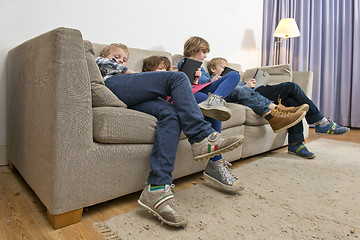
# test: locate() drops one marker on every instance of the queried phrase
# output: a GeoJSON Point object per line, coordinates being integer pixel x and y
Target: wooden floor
{"type": "Point", "coordinates": [23, 216]}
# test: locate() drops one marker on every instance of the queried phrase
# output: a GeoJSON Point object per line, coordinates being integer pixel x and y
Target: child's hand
{"type": "Point", "coordinates": [216, 77]}
{"type": "Point", "coordinates": [173, 69]}
{"type": "Point", "coordinates": [197, 75]}
{"type": "Point", "coordinates": [251, 83]}
{"type": "Point", "coordinates": [129, 71]}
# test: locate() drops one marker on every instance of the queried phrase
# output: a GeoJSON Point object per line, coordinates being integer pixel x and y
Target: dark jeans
{"type": "Point", "coordinates": [146, 92]}
{"type": "Point", "coordinates": [292, 95]}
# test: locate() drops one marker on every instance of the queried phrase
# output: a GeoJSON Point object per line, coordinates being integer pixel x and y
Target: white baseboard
{"type": "Point", "coordinates": [3, 159]}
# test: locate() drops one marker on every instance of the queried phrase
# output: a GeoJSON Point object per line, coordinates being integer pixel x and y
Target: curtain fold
{"type": "Point", "coordinates": [328, 46]}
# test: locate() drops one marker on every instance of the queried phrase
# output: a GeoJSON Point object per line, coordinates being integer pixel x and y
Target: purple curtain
{"type": "Point", "coordinates": [329, 46]}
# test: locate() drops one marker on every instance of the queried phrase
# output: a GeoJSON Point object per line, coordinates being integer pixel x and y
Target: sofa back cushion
{"type": "Point", "coordinates": [101, 95]}
{"type": "Point", "coordinates": [136, 56]}
{"type": "Point", "coordinates": [177, 57]}
{"type": "Point", "coordinates": [278, 73]}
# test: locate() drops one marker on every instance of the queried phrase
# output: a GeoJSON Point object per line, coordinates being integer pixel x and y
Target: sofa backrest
{"type": "Point", "coordinates": [136, 56]}
{"type": "Point", "coordinates": [278, 73]}
{"type": "Point", "coordinates": [177, 57]}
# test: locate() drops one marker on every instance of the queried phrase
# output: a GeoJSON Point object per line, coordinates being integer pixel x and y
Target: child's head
{"type": "Point", "coordinates": [156, 63]}
{"type": "Point", "coordinates": [117, 51]}
{"type": "Point", "coordinates": [196, 48]}
{"type": "Point", "coordinates": [217, 65]}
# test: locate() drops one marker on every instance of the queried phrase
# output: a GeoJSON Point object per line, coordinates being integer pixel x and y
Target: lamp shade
{"type": "Point", "coordinates": [287, 28]}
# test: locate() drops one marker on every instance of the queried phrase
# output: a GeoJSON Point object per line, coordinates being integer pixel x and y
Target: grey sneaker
{"type": "Point", "coordinates": [162, 204]}
{"type": "Point", "coordinates": [218, 172]}
{"type": "Point", "coordinates": [214, 145]}
{"type": "Point", "coordinates": [214, 107]}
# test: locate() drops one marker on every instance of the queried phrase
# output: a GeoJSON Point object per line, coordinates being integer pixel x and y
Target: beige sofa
{"type": "Point", "coordinates": [77, 145]}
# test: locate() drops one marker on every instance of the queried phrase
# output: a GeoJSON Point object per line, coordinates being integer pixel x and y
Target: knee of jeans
{"type": "Point", "coordinates": [169, 113]}
{"type": "Point", "coordinates": [234, 75]}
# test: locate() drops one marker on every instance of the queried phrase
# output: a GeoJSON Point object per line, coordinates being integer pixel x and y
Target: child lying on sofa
{"type": "Point", "coordinates": [146, 92]}
{"type": "Point", "coordinates": [262, 101]}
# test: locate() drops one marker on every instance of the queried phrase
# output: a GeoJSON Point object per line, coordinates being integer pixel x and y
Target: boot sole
{"type": "Point", "coordinates": [291, 124]}
{"type": "Point", "coordinates": [305, 108]}
{"type": "Point", "coordinates": [179, 224]}
{"type": "Point", "coordinates": [216, 113]}
{"type": "Point", "coordinates": [229, 148]}
{"type": "Point", "coordinates": [237, 185]}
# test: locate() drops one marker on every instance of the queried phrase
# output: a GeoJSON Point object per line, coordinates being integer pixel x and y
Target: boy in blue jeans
{"type": "Point", "coordinates": [217, 169]}
{"type": "Point", "coordinates": [261, 100]}
{"type": "Point", "coordinates": [147, 92]}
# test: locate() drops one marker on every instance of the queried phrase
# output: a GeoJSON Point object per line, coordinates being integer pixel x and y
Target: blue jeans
{"type": "Point", "coordinates": [222, 87]}
{"type": "Point", "coordinates": [250, 98]}
{"type": "Point", "coordinates": [146, 92]}
{"type": "Point", "coordinates": [292, 95]}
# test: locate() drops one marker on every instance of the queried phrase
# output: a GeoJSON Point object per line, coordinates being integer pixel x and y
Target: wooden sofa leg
{"type": "Point", "coordinates": [65, 219]}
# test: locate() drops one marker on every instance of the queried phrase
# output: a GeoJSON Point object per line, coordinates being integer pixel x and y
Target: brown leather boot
{"type": "Point", "coordinates": [282, 108]}
{"type": "Point", "coordinates": [283, 120]}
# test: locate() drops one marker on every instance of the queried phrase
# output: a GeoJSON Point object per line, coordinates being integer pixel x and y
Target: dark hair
{"type": "Point", "coordinates": [151, 63]}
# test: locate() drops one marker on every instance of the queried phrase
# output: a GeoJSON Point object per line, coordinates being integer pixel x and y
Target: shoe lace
{"type": "Point", "coordinates": [169, 187]}
{"type": "Point", "coordinates": [280, 113]}
{"type": "Point", "coordinates": [219, 100]}
{"type": "Point", "coordinates": [225, 171]}
{"type": "Point", "coordinates": [281, 106]}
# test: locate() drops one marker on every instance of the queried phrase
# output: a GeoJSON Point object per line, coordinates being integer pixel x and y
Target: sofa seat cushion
{"type": "Point", "coordinates": [238, 116]}
{"type": "Point", "coordinates": [122, 125]}
{"type": "Point", "coordinates": [252, 119]}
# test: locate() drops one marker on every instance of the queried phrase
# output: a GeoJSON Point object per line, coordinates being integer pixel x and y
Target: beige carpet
{"type": "Point", "coordinates": [285, 197]}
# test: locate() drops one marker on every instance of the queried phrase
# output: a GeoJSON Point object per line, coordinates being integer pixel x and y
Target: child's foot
{"type": "Point", "coordinates": [214, 145]}
{"type": "Point", "coordinates": [299, 149]}
{"type": "Point", "coordinates": [218, 172]}
{"type": "Point", "coordinates": [161, 203]}
{"type": "Point", "coordinates": [330, 128]}
{"type": "Point", "coordinates": [280, 121]}
{"type": "Point", "coordinates": [214, 107]}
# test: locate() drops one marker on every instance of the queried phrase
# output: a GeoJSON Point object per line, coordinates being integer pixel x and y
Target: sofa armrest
{"type": "Point", "coordinates": [305, 80]}
{"type": "Point", "coordinates": [49, 110]}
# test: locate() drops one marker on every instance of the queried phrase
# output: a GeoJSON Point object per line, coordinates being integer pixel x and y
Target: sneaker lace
{"type": "Point", "coordinates": [169, 187]}
{"type": "Point", "coordinates": [217, 99]}
{"type": "Point", "coordinates": [224, 170]}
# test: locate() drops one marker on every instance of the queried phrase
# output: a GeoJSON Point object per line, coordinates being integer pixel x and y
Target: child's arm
{"type": "Point", "coordinates": [215, 77]}
{"type": "Point", "coordinates": [129, 71]}
{"type": "Point", "coordinates": [110, 64]}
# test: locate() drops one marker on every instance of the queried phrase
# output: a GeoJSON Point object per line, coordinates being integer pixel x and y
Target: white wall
{"type": "Point", "coordinates": [232, 27]}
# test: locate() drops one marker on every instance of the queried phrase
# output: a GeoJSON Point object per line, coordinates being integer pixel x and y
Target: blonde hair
{"type": "Point", "coordinates": [214, 62]}
{"type": "Point", "coordinates": [107, 50]}
{"type": "Point", "coordinates": [195, 44]}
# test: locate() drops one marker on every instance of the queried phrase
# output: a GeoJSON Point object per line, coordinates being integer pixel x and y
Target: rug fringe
{"type": "Point", "coordinates": [106, 231]}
